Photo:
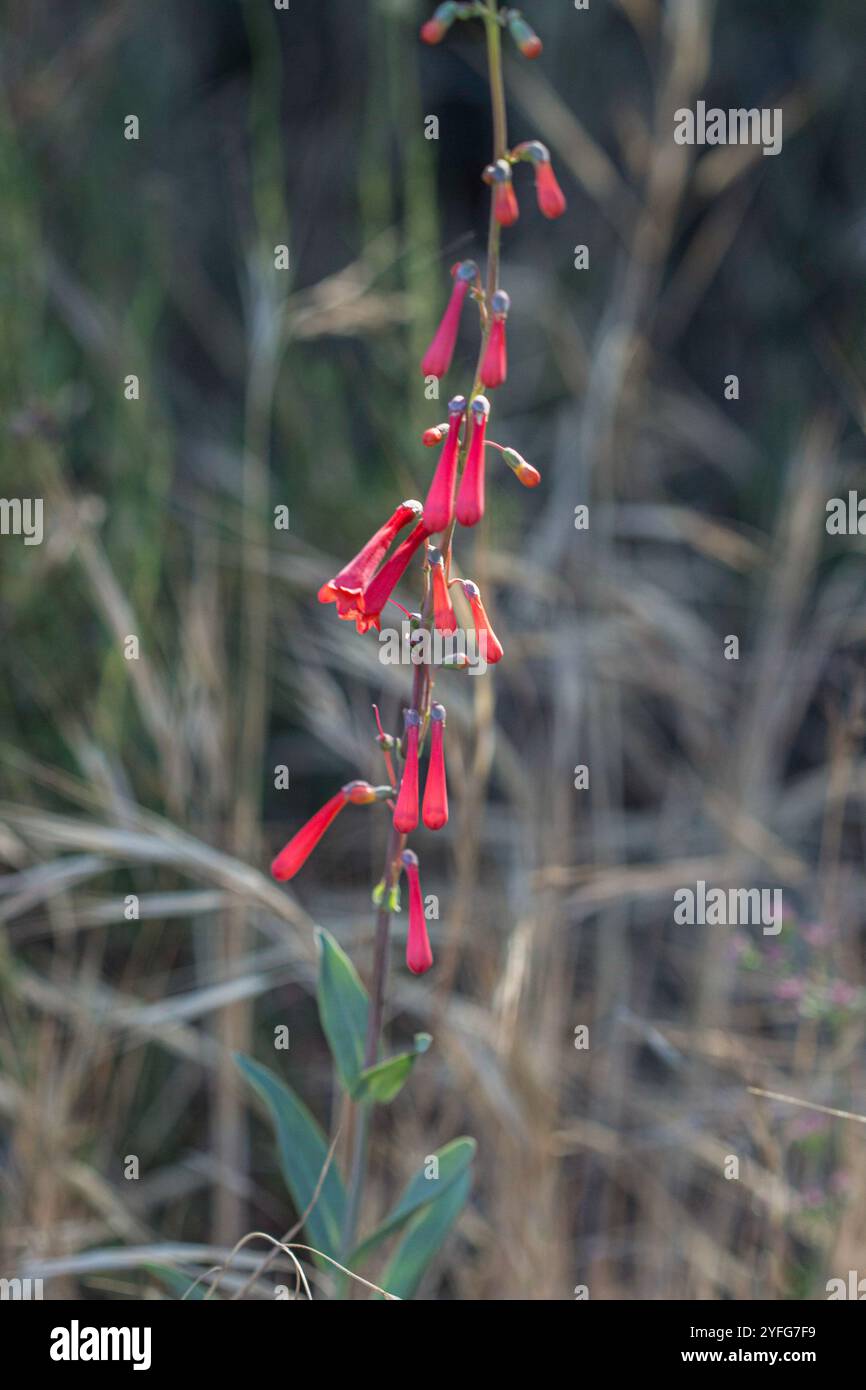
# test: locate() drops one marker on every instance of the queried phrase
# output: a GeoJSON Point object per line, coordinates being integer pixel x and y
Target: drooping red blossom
{"type": "Point", "coordinates": [494, 367]}
{"type": "Point", "coordinates": [524, 35]}
{"type": "Point", "coordinates": [524, 472]}
{"type": "Point", "coordinates": [470, 497]}
{"type": "Point", "coordinates": [437, 27]}
{"type": "Point", "coordinates": [437, 358]}
{"type": "Point", "coordinates": [489, 644]}
{"type": "Point", "coordinates": [304, 841]}
{"type": "Point", "coordinates": [439, 506]}
{"type": "Point", "coordinates": [382, 585]}
{"type": "Point", "coordinates": [346, 588]}
{"type": "Point", "coordinates": [406, 809]}
{"type": "Point", "coordinates": [434, 810]}
{"type": "Point", "coordinates": [419, 956]}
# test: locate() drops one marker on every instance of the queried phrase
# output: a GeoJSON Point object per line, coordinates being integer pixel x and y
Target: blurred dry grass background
{"type": "Point", "coordinates": [602, 1167]}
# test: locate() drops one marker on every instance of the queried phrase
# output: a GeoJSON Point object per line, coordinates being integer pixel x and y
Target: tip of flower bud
{"type": "Point", "coordinates": [457, 405]}
{"type": "Point", "coordinates": [533, 150]}
{"type": "Point", "coordinates": [435, 556]}
{"type": "Point", "coordinates": [411, 718]}
{"type": "Point", "coordinates": [437, 27]}
{"type": "Point", "coordinates": [437, 712]}
{"type": "Point", "coordinates": [501, 302]}
{"type": "Point", "coordinates": [470, 588]}
{"type": "Point", "coordinates": [480, 406]}
{"type": "Point", "coordinates": [524, 472]}
{"type": "Point", "coordinates": [500, 172]}
{"type": "Point", "coordinates": [465, 270]}
{"type": "Point", "coordinates": [409, 859]}
{"type": "Point", "coordinates": [412, 504]}
{"type": "Point", "coordinates": [436, 433]}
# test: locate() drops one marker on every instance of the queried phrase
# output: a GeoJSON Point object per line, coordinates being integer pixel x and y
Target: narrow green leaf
{"type": "Point", "coordinates": [343, 1009]}
{"type": "Point", "coordinates": [454, 1160]}
{"type": "Point", "coordinates": [423, 1239]}
{"type": "Point", "coordinates": [384, 1081]}
{"type": "Point", "coordinates": [303, 1152]}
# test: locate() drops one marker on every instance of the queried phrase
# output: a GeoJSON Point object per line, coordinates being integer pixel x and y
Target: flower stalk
{"type": "Point", "coordinates": [455, 497]}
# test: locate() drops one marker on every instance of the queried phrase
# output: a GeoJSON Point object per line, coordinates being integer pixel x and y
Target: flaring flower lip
{"type": "Point", "coordinates": [437, 27]}
{"type": "Point", "coordinates": [419, 956]}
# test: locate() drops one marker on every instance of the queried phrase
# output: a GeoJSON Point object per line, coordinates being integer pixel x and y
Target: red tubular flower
{"type": "Point", "coordinates": [419, 957]}
{"type": "Point", "coordinates": [505, 206]}
{"type": "Point", "coordinates": [406, 810]}
{"type": "Point", "coordinates": [304, 841]}
{"type": "Point", "coordinates": [439, 506]}
{"type": "Point", "coordinates": [489, 643]}
{"type": "Point", "coordinates": [437, 358]}
{"type": "Point", "coordinates": [443, 613]}
{"type": "Point", "coordinates": [494, 368]}
{"type": "Point", "coordinates": [382, 585]}
{"type": "Point", "coordinates": [436, 28]}
{"type": "Point", "coordinates": [470, 498]}
{"type": "Point", "coordinates": [524, 472]}
{"type": "Point", "coordinates": [524, 35]}
{"type": "Point", "coordinates": [551, 199]}
{"type": "Point", "coordinates": [346, 588]}
{"type": "Point", "coordinates": [434, 811]}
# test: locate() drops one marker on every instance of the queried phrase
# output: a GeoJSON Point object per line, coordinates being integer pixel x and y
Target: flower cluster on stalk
{"type": "Point", "coordinates": [456, 498]}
